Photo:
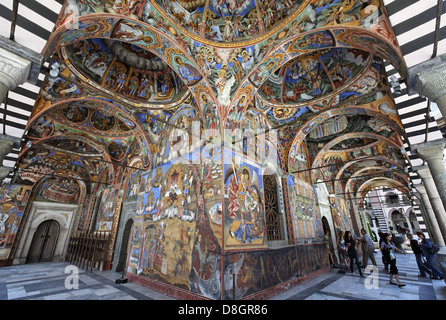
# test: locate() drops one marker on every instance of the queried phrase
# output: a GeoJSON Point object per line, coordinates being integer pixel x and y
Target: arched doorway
{"type": "Point", "coordinates": [325, 225]}
{"type": "Point", "coordinates": [44, 242]}
{"type": "Point", "coordinates": [124, 246]}
{"type": "Point", "coordinates": [332, 238]}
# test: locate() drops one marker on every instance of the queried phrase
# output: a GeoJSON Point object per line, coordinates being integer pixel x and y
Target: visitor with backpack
{"type": "Point", "coordinates": [416, 249]}
{"type": "Point", "coordinates": [430, 252]}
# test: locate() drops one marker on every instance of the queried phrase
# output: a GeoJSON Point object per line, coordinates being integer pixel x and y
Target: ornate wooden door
{"type": "Point", "coordinates": [44, 242]}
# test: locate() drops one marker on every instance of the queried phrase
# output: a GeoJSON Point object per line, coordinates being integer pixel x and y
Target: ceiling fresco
{"type": "Point", "coordinates": [306, 75]}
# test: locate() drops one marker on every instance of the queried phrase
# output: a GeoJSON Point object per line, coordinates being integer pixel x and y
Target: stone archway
{"type": "Point", "coordinates": [62, 214]}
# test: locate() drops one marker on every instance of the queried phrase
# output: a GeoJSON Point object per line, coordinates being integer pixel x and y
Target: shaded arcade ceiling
{"type": "Point", "coordinates": [309, 75]}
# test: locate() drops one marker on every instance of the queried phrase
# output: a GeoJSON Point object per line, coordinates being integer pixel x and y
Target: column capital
{"type": "Point", "coordinates": [432, 83]}
{"type": "Point", "coordinates": [428, 78]}
{"type": "Point", "coordinates": [4, 172]}
{"type": "Point", "coordinates": [6, 147]}
{"type": "Point", "coordinates": [14, 69]}
{"type": "Point", "coordinates": [27, 59]}
{"type": "Point", "coordinates": [431, 150]}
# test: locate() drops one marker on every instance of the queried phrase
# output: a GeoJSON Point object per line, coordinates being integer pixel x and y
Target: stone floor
{"type": "Point", "coordinates": [373, 286]}
{"type": "Point", "coordinates": [57, 281]}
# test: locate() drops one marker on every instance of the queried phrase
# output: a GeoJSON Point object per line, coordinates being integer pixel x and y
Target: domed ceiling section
{"type": "Point", "coordinates": [314, 77]}
{"type": "Point", "coordinates": [127, 71]}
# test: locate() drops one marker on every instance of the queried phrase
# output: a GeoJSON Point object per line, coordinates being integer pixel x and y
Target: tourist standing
{"type": "Point", "coordinates": [342, 250]}
{"type": "Point", "coordinates": [388, 249]}
{"type": "Point", "coordinates": [426, 247]}
{"type": "Point", "coordinates": [330, 255]}
{"type": "Point", "coordinates": [382, 238]}
{"type": "Point", "coordinates": [367, 249]}
{"type": "Point", "coordinates": [352, 253]}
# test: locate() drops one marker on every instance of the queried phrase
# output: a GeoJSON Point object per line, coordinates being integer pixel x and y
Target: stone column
{"type": "Point", "coordinates": [434, 194]}
{"type": "Point", "coordinates": [430, 218]}
{"type": "Point", "coordinates": [14, 70]}
{"type": "Point", "coordinates": [18, 65]}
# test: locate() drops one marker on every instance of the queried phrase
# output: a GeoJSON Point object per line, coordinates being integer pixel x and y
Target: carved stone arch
{"type": "Point", "coordinates": [346, 136]}
{"type": "Point", "coordinates": [320, 118]}
{"type": "Point", "coordinates": [376, 183]}
{"type": "Point", "coordinates": [380, 171]}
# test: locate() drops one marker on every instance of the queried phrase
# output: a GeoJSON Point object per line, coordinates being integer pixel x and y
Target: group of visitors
{"type": "Point", "coordinates": [422, 249]}
{"type": "Point", "coordinates": [347, 249]}
{"type": "Point", "coordinates": [425, 257]}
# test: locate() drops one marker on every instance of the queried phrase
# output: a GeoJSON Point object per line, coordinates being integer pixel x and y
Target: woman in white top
{"type": "Point", "coordinates": [388, 249]}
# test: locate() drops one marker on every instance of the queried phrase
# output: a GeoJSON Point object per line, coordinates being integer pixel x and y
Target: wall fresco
{"type": "Point", "coordinates": [178, 216]}
{"type": "Point", "coordinates": [305, 211]}
{"type": "Point", "coordinates": [13, 201]}
{"type": "Point", "coordinates": [244, 212]}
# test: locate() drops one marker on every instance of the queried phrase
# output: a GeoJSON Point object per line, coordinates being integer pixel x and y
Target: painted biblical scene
{"type": "Point", "coordinates": [107, 209]}
{"type": "Point", "coordinates": [13, 201]}
{"type": "Point", "coordinates": [127, 70]}
{"type": "Point", "coordinates": [72, 144]}
{"type": "Point", "coordinates": [340, 214]}
{"type": "Point", "coordinates": [306, 215]}
{"type": "Point", "coordinates": [312, 76]}
{"type": "Point", "coordinates": [244, 221]}
{"type": "Point", "coordinates": [231, 21]}
{"type": "Point", "coordinates": [58, 189]}
{"type": "Point", "coordinates": [41, 128]}
{"type": "Point", "coordinates": [178, 217]}
{"type": "Point", "coordinates": [186, 13]}
{"type": "Point", "coordinates": [273, 13]}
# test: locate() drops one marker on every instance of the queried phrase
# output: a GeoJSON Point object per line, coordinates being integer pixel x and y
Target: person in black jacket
{"type": "Point", "coordinates": [352, 253]}
{"type": "Point", "coordinates": [419, 257]}
{"type": "Point", "coordinates": [382, 237]}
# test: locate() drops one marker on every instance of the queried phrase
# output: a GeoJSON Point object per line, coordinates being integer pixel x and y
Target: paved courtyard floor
{"type": "Point", "coordinates": [374, 285]}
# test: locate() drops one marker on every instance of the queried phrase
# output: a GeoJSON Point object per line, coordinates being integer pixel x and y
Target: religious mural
{"type": "Point", "coordinates": [13, 201]}
{"type": "Point", "coordinates": [107, 209]}
{"type": "Point", "coordinates": [178, 212]}
{"type": "Point", "coordinates": [244, 204]}
{"type": "Point", "coordinates": [305, 211]}
{"type": "Point", "coordinates": [59, 189]}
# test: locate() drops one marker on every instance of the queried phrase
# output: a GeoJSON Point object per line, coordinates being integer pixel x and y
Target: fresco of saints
{"type": "Point", "coordinates": [244, 204]}
{"type": "Point", "coordinates": [187, 72]}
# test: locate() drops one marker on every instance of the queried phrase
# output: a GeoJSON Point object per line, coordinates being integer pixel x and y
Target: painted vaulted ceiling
{"type": "Point", "coordinates": [310, 75]}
